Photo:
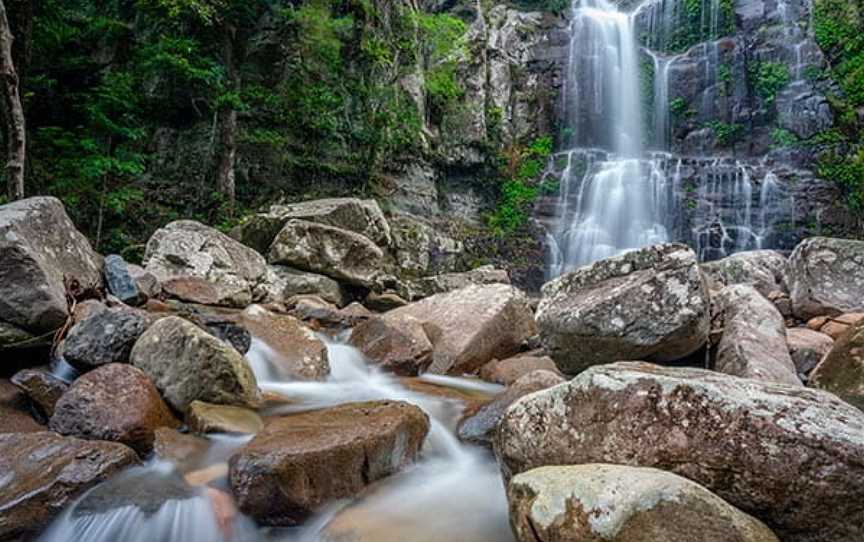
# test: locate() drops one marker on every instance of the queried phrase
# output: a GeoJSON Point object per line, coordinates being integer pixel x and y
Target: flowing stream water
{"type": "Point", "coordinates": [453, 492]}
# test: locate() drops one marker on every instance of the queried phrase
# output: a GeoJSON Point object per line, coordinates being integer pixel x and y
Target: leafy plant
{"type": "Point", "coordinates": [768, 79]}
{"type": "Point", "coordinates": [521, 168]}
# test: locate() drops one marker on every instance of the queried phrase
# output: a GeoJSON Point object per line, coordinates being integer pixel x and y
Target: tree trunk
{"type": "Point", "coordinates": [227, 120]}
{"type": "Point", "coordinates": [16, 134]}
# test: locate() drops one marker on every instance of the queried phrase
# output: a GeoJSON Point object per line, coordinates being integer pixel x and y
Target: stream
{"type": "Point", "coordinates": [453, 492]}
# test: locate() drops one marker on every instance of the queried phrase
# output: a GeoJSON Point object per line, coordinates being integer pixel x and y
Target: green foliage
{"type": "Point", "coordinates": [443, 39]}
{"type": "Point", "coordinates": [838, 29]}
{"type": "Point", "coordinates": [783, 138]}
{"type": "Point", "coordinates": [848, 172]}
{"type": "Point", "coordinates": [521, 168]}
{"type": "Point", "coordinates": [694, 25]}
{"type": "Point", "coordinates": [678, 106]}
{"type": "Point", "coordinates": [768, 78]}
{"type": "Point", "coordinates": [544, 5]}
{"type": "Point", "coordinates": [727, 134]}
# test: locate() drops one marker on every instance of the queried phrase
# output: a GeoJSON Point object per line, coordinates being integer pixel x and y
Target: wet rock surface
{"type": "Point", "coordinates": [188, 364]}
{"type": "Point", "coordinates": [399, 345]}
{"type": "Point", "coordinates": [650, 303]}
{"type": "Point", "coordinates": [296, 352]}
{"type": "Point", "coordinates": [206, 418]}
{"type": "Point", "coordinates": [117, 403]}
{"type": "Point", "coordinates": [745, 440]}
{"type": "Point", "coordinates": [43, 472]}
{"type": "Point", "coordinates": [302, 461]}
{"type": "Point", "coordinates": [15, 411]}
{"type": "Point", "coordinates": [42, 388]}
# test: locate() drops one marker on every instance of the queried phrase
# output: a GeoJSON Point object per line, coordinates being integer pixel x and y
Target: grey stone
{"type": "Point", "coordinates": [105, 337]}
{"type": "Point", "coordinates": [827, 277]}
{"type": "Point", "coordinates": [120, 282]}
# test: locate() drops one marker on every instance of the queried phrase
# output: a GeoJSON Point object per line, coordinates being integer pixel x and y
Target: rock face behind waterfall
{"type": "Point", "coordinates": [39, 249]}
{"type": "Point", "coordinates": [300, 462]}
{"type": "Point", "coordinates": [615, 503]}
{"type": "Point", "coordinates": [790, 456]}
{"type": "Point", "coordinates": [827, 277]}
{"type": "Point", "coordinates": [651, 303]}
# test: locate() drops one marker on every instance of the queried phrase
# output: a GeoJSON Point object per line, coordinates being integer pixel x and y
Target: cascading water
{"type": "Point", "coordinates": [452, 480]}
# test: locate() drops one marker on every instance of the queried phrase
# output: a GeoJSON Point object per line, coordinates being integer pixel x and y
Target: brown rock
{"type": "Point", "coordinates": [790, 456]}
{"type": "Point", "coordinates": [43, 389]}
{"type": "Point", "coordinates": [807, 347]}
{"type": "Point", "coordinates": [836, 326]}
{"type": "Point", "coordinates": [86, 309]}
{"type": "Point", "coordinates": [471, 326]}
{"type": "Point", "coordinates": [41, 473]}
{"type": "Point", "coordinates": [115, 402]}
{"type": "Point", "coordinates": [478, 427]}
{"type": "Point", "coordinates": [383, 302]}
{"type": "Point", "coordinates": [300, 462]}
{"type": "Point", "coordinates": [398, 345]}
{"type": "Point", "coordinates": [15, 414]}
{"type": "Point", "coordinates": [507, 371]}
{"type": "Point", "coordinates": [192, 290]}
{"type": "Point", "coordinates": [298, 354]}
{"type": "Point", "coordinates": [321, 314]}
{"type": "Point", "coordinates": [206, 418]}
{"type": "Point", "coordinates": [187, 452]}
{"type": "Point", "coordinates": [841, 371]}
{"type": "Point", "coordinates": [223, 509]}
{"type": "Point", "coordinates": [207, 475]}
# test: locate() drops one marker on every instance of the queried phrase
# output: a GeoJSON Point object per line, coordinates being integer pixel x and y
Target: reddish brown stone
{"type": "Point", "coordinates": [508, 371]}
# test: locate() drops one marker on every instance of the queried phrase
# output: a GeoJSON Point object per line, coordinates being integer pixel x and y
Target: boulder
{"type": "Point", "coordinates": [413, 290]}
{"type": "Point", "coordinates": [363, 217]}
{"type": "Point", "coordinates": [303, 461]}
{"type": "Point", "coordinates": [186, 451]}
{"type": "Point", "coordinates": [467, 328]}
{"type": "Point", "coordinates": [39, 249]}
{"type": "Point", "coordinates": [44, 472]}
{"type": "Point", "coordinates": [478, 427]}
{"type": "Point", "coordinates": [340, 254]}
{"type": "Point", "coordinates": [320, 314]}
{"type": "Point", "coordinates": [15, 337]}
{"type": "Point", "coordinates": [397, 345]}
{"type": "Point", "coordinates": [120, 282]}
{"type": "Point", "coordinates": [835, 326]}
{"type": "Point", "coordinates": [827, 277]}
{"type": "Point", "coordinates": [616, 503]}
{"type": "Point", "coordinates": [105, 337]}
{"type": "Point", "coordinates": [841, 371]}
{"type": "Point", "coordinates": [282, 283]}
{"type": "Point", "coordinates": [422, 249]}
{"type": "Point", "coordinates": [764, 270]}
{"type": "Point", "coordinates": [807, 348]}
{"type": "Point", "coordinates": [186, 363]}
{"type": "Point", "coordinates": [115, 402]}
{"type": "Point", "coordinates": [42, 388]}
{"type": "Point", "coordinates": [295, 353]}
{"type": "Point", "coordinates": [15, 411]}
{"type": "Point", "coordinates": [384, 301]}
{"type": "Point", "coordinates": [649, 304]}
{"type": "Point", "coordinates": [789, 455]}
{"type": "Point", "coordinates": [146, 282]}
{"type": "Point", "coordinates": [507, 371]}
{"type": "Point", "coordinates": [753, 344]}
{"type": "Point", "coordinates": [200, 264]}
{"type": "Point", "coordinates": [206, 418]}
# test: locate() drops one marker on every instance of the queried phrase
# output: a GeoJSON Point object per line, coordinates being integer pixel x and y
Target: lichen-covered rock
{"type": "Point", "coordinates": [282, 283]}
{"type": "Point", "coordinates": [105, 337]}
{"type": "Point", "coordinates": [207, 265]}
{"type": "Point", "coordinates": [827, 277]}
{"type": "Point", "coordinates": [753, 344]}
{"type": "Point", "coordinates": [42, 388]}
{"type": "Point", "coordinates": [42, 473]}
{"type": "Point", "coordinates": [300, 462]}
{"type": "Point", "coordinates": [39, 248]}
{"type": "Point", "coordinates": [413, 290]}
{"type": "Point", "coordinates": [478, 427]}
{"type": "Point", "coordinates": [359, 216]}
{"type": "Point", "coordinates": [616, 503]}
{"type": "Point", "coordinates": [186, 363]}
{"type": "Point", "coordinates": [807, 348]}
{"type": "Point", "coordinates": [116, 402]}
{"type": "Point", "coordinates": [745, 440]}
{"type": "Point", "coordinates": [422, 249]}
{"type": "Point", "coordinates": [397, 345]}
{"type": "Point", "coordinates": [507, 371]}
{"type": "Point", "coordinates": [765, 270]}
{"type": "Point", "coordinates": [841, 371]}
{"type": "Point", "coordinates": [339, 254]}
{"type": "Point", "coordinates": [295, 353]}
{"type": "Point", "coordinates": [467, 328]}
{"type": "Point", "coordinates": [650, 304]}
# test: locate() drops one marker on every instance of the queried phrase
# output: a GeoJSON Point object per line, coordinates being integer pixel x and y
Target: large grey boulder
{"type": "Point", "coordinates": [827, 277]}
{"type": "Point", "coordinates": [616, 503]}
{"type": "Point", "coordinates": [340, 254]}
{"type": "Point", "coordinates": [282, 283]}
{"type": "Point", "coordinates": [107, 336]}
{"type": "Point", "coordinates": [649, 304]}
{"type": "Point", "coordinates": [120, 281]}
{"type": "Point", "coordinates": [186, 363]}
{"type": "Point", "coordinates": [765, 270]}
{"type": "Point", "coordinates": [421, 249]}
{"type": "Point", "coordinates": [753, 344]}
{"type": "Point", "coordinates": [790, 456]}
{"type": "Point", "coordinates": [359, 216]}
{"type": "Point", "coordinates": [208, 265]}
{"type": "Point", "coordinates": [467, 328]}
{"type": "Point", "coordinates": [39, 250]}
{"type": "Point", "coordinates": [415, 289]}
